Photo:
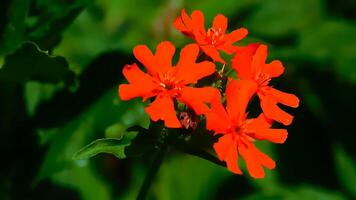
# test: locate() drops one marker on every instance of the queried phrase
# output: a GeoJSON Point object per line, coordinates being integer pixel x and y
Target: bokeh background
{"type": "Point", "coordinates": [50, 107]}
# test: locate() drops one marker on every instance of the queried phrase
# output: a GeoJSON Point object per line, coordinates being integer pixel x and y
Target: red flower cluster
{"type": "Point", "coordinates": [169, 85]}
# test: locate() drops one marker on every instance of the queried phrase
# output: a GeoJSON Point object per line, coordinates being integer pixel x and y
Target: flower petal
{"type": "Point", "coordinates": [188, 55]}
{"type": "Point", "coordinates": [155, 64]}
{"type": "Point", "coordinates": [187, 20]}
{"type": "Point", "coordinates": [212, 52]}
{"type": "Point", "coordinates": [145, 56]}
{"type": "Point", "coordinates": [272, 111]}
{"type": "Point", "coordinates": [198, 98]}
{"type": "Point", "coordinates": [227, 48]}
{"type": "Point", "coordinates": [253, 163]}
{"type": "Point", "coordinates": [226, 149]}
{"type": "Point", "coordinates": [259, 59]}
{"type": "Point", "coordinates": [217, 118]}
{"type": "Point", "coordinates": [261, 122]}
{"type": "Point", "coordinates": [163, 57]}
{"type": "Point", "coordinates": [263, 158]}
{"type": "Point", "coordinates": [272, 135]}
{"type": "Point", "coordinates": [187, 71]}
{"type": "Point", "coordinates": [130, 91]}
{"type": "Point", "coordinates": [242, 61]}
{"type": "Point", "coordinates": [273, 69]}
{"type": "Point", "coordinates": [238, 95]}
{"type": "Point", "coordinates": [282, 97]}
{"type": "Point", "coordinates": [235, 35]}
{"type": "Point", "coordinates": [141, 84]}
{"type": "Point", "coordinates": [179, 25]}
{"type": "Point", "coordinates": [162, 108]}
{"type": "Point", "coordinates": [220, 23]}
{"type": "Point", "coordinates": [198, 20]}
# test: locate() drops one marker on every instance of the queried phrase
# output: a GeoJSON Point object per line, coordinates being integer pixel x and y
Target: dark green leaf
{"type": "Point", "coordinates": [55, 16]}
{"type": "Point", "coordinates": [14, 32]}
{"type": "Point", "coordinates": [31, 63]}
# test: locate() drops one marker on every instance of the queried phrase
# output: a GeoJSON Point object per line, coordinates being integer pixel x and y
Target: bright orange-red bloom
{"type": "Point", "coordinates": [214, 38]}
{"type": "Point", "coordinates": [250, 64]}
{"type": "Point", "coordinates": [239, 133]}
{"type": "Point", "coordinates": [166, 82]}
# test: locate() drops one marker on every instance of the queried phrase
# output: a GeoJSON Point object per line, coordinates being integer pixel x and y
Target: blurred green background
{"type": "Point", "coordinates": [50, 106]}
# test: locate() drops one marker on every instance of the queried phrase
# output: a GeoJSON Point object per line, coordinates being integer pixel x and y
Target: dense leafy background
{"type": "Point", "coordinates": [61, 61]}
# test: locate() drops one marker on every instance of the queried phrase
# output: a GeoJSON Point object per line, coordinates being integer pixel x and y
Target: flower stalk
{"type": "Point", "coordinates": [157, 161]}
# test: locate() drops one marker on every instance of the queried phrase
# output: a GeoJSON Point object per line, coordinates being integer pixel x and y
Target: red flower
{"type": "Point", "coordinates": [239, 133]}
{"type": "Point", "coordinates": [166, 82]}
{"type": "Point", "coordinates": [250, 64]}
{"type": "Point", "coordinates": [214, 38]}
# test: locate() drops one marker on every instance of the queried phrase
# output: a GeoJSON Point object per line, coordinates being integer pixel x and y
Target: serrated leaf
{"type": "Point", "coordinates": [31, 63]}
{"type": "Point", "coordinates": [106, 145]}
{"type": "Point", "coordinates": [68, 139]}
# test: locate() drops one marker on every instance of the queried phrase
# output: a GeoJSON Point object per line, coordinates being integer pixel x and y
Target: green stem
{"type": "Point", "coordinates": [205, 155]}
{"type": "Point", "coordinates": [152, 173]}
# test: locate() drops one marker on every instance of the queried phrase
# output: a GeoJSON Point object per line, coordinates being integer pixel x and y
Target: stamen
{"type": "Point", "coordinates": [214, 35]}
{"type": "Point", "coordinates": [263, 79]}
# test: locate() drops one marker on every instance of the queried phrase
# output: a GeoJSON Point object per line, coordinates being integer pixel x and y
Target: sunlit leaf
{"type": "Point", "coordinates": [106, 145]}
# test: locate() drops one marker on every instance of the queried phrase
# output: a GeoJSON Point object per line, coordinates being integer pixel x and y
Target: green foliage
{"type": "Point", "coordinates": [106, 145]}
{"type": "Point", "coordinates": [14, 32]}
{"type": "Point", "coordinates": [85, 180]}
{"type": "Point", "coordinates": [332, 44]}
{"type": "Point", "coordinates": [31, 63]}
{"type": "Point", "coordinates": [175, 171]}
{"type": "Point", "coordinates": [345, 166]}
{"type": "Point", "coordinates": [277, 18]}
{"type": "Point", "coordinates": [45, 120]}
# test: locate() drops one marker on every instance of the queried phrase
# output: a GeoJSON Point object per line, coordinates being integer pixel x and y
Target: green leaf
{"type": "Point", "coordinates": [86, 181]}
{"type": "Point", "coordinates": [68, 139]}
{"type": "Point", "coordinates": [31, 63]}
{"type": "Point", "coordinates": [106, 145]}
{"type": "Point", "coordinates": [173, 180]}
{"type": "Point", "coordinates": [115, 131]}
{"type": "Point", "coordinates": [55, 16]}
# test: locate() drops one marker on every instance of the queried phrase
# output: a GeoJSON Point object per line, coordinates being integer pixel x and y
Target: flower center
{"type": "Point", "coordinates": [263, 79]}
{"type": "Point", "coordinates": [169, 83]}
{"type": "Point", "coordinates": [241, 133]}
{"type": "Point", "coordinates": [214, 35]}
